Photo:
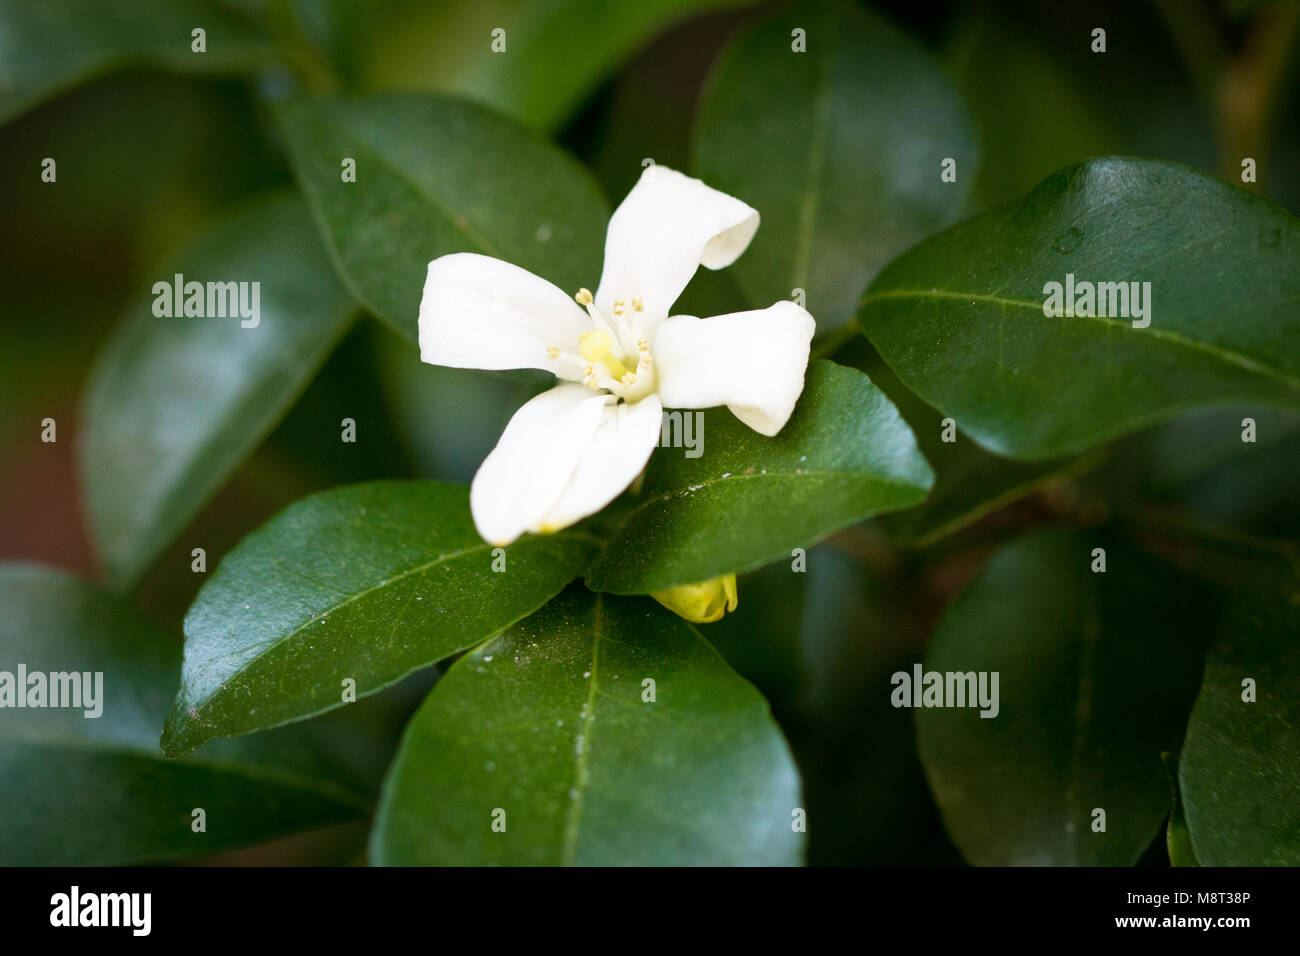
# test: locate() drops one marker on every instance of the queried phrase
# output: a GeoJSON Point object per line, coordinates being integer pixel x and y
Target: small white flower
{"type": "Point", "coordinates": [622, 359]}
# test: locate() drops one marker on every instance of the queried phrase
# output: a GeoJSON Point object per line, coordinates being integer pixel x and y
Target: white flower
{"type": "Point", "coordinates": [571, 450]}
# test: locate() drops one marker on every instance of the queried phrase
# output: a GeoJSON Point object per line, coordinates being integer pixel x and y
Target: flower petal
{"type": "Point", "coordinates": [480, 312]}
{"type": "Point", "coordinates": [752, 362]}
{"type": "Point", "coordinates": [524, 476]}
{"type": "Point", "coordinates": [666, 228]}
{"type": "Point", "coordinates": [623, 443]}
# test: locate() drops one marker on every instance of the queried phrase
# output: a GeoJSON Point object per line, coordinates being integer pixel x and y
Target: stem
{"type": "Point", "coordinates": [1242, 91]}
{"type": "Point", "coordinates": [1182, 526]}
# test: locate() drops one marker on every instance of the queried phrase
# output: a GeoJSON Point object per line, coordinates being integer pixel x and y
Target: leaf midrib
{"type": "Point", "coordinates": [1223, 355]}
{"type": "Point", "coordinates": [574, 815]}
{"type": "Point", "coordinates": [350, 599]}
{"type": "Point", "coordinates": [707, 482]}
{"type": "Point", "coordinates": [449, 214]}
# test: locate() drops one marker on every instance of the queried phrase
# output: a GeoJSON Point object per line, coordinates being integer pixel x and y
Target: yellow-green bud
{"type": "Point", "coordinates": [701, 603]}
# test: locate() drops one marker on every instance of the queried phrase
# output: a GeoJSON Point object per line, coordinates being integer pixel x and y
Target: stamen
{"type": "Point", "coordinates": [607, 355]}
{"type": "Point", "coordinates": [553, 351]}
{"type": "Point", "coordinates": [626, 336]}
{"type": "Point", "coordinates": [612, 386]}
{"type": "Point", "coordinates": [567, 357]}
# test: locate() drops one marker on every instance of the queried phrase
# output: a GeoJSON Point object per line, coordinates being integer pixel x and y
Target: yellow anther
{"type": "Point", "coordinates": [584, 297]}
{"type": "Point", "coordinates": [552, 351]}
{"type": "Point", "coordinates": [629, 378]}
{"type": "Point", "coordinates": [642, 345]}
{"type": "Point", "coordinates": [638, 305]}
{"type": "Point", "coordinates": [619, 306]}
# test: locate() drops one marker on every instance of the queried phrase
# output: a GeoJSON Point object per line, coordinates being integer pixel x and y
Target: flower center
{"type": "Point", "coordinates": [613, 356]}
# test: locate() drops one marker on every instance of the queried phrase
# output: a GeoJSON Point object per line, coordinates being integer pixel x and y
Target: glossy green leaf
{"type": "Point", "coordinates": [960, 317]}
{"type": "Point", "coordinates": [548, 730]}
{"type": "Point", "coordinates": [845, 455]}
{"type": "Point", "coordinates": [48, 46]}
{"type": "Point", "coordinates": [176, 403]}
{"type": "Point", "coordinates": [1240, 764]}
{"type": "Point", "coordinates": [80, 790]}
{"type": "Point", "coordinates": [1097, 673]}
{"type": "Point", "coordinates": [839, 148]}
{"type": "Point", "coordinates": [436, 175]}
{"type": "Point", "coordinates": [554, 53]}
{"type": "Point", "coordinates": [364, 583]}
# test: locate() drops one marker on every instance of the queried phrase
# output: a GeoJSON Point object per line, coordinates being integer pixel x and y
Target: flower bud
{"type": "Point", "coordinates": [701, 603]}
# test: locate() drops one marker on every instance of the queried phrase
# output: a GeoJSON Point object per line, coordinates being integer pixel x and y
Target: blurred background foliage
{"type": "Point", "coordinates": [149, 158]}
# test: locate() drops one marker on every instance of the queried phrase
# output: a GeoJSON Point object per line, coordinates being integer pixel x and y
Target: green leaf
{"type": "Point", "coordinates": [49, 46]}
{"type": "Point", "coordinates": [549, 723]}
{"type": "Point", "coordinates": [1240, 765]}
{"type": "Point", "coordinates": [367, 582]}
{"type": "Point", "coordinates": [175, 404]}
{"type": "Point", "coordinates": [960, 317]}
{"type": "Point", "coordinates": [80, 790]}
{"type": "Point", "coordinates": [435, 176]}
{"type": "Point", "coordinates": [1097, 672]}
{"type": "Point", "coordinates": [555, 53]}
{"type": "Point", "coordinates": [845, 455]}
{"type": "Point", "coordinates": [969, 482]}
{"type": "Point", "coordinates": [839, 148]}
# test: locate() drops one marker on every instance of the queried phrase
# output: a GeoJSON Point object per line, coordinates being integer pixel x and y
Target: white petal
{"type": "Point", "coordinates": [752, 362]}
{"type": "Point", "coordinates": [480, 312]}
{"type": "Point", "coordinates": [623, 443]}
{"type": "Point", "coordinates": [531, 466]}
{"type": "Point", "coordinates": [667, 227]}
